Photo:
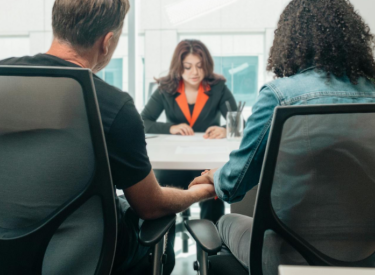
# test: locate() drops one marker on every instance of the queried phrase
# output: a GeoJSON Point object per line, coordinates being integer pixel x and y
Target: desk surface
{"type": "Point", "coordinates": [310, 270]}
{"type": "Point", "coordinates": [189, 152]}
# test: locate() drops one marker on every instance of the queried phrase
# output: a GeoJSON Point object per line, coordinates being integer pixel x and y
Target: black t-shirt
{"type": "Point", "coordinates": [123, 126]}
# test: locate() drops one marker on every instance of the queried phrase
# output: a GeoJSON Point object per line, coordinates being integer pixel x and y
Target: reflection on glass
{"type": "Point", "coordinates": [241, 73]}
{"type": "Point", "coordinates": [185, 10]}
{"type": "Point", "coordinates": [112, 74]}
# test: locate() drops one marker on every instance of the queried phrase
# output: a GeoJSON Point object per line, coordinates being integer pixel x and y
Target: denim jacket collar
{"type": "Point", "coordinates": [305, 70]}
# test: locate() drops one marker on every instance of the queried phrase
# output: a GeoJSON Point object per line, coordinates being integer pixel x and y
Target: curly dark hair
{"type": "Point", "coordinates": [327, 34]}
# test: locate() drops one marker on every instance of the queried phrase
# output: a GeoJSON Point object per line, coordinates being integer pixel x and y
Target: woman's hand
{"type": "Point", "coordinates": [215, 132]}
{"type": "Point", "coordinates": [207, 177]}
{"type": "Point", "coordinates": [181, 129]}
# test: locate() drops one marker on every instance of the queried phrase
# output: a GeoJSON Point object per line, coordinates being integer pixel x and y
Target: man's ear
{"type": "Point", "coordinates": [107, 42]}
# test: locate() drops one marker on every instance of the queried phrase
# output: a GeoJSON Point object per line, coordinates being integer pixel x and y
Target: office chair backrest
{"type": "Point", "coordinates": [317, 189]}
{"type": "Point", "coordinates": [56, 197]}
{"type": "Point", "coordinates": [152, 87]}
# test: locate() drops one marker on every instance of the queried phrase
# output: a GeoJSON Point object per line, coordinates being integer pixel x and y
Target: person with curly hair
{"type": "Point", "coordinates": [322, 54]}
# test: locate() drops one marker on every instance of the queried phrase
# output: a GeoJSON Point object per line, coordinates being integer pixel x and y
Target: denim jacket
{"type": "Point", "coordinates": [310, 86]}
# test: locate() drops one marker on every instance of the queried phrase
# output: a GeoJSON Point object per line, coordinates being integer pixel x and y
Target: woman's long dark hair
{"type": "Point", "coordinates": [170, 82]}
{"type": "Point", "coordinates": [327, 34]}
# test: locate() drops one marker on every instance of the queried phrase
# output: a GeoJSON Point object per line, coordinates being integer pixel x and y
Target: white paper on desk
{"type": "Point", "coordinates": [185, 138]}
{"type": "Point", "coordinates": [200, 150]}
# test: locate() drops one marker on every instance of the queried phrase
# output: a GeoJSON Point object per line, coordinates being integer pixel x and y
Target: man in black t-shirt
{"type": "Point", "coordinates": [86, 33]}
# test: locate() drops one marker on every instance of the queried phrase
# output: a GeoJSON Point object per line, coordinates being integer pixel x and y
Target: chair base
{"type": "Point", "coordinates": [225, 264]}
{"type": "Point", "coordinates": [180, 228]}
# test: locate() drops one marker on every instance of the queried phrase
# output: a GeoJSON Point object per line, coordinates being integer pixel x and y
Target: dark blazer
{"type": "Point", "coordinates": [209, 116]}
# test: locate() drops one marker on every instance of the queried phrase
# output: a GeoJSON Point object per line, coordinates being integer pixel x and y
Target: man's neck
{"type": "Point", "coordinates": [68, 53]}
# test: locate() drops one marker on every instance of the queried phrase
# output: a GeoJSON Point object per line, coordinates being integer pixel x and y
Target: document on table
{"type": "Point", "coordinates": [185, 138]}
{"type": "Point", "coordinates": [201, 150]}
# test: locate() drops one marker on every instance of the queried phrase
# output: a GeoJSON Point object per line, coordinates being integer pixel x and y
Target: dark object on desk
{"type": "Point", "coordinates": [314, 206]}
{"type": "Point", "coordinates": [151, 136]}
{"type": "Point", "coordinates": [51, 138]}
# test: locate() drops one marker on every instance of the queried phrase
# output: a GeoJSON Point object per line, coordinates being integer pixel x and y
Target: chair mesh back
{"type": "Point", "coordinates": [324, 184]}
{"type": "Point", "coordinates": [46, 159]}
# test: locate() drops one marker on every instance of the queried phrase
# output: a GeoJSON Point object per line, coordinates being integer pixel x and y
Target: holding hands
{"type": "Point", "coordinates": [215, 132]}
{"type": "Point", "coordinates": [181, 129]}
{"type": "Point", "coordinates": [207, 177]}
{"type": "Point", "coordinates": [207, 191]}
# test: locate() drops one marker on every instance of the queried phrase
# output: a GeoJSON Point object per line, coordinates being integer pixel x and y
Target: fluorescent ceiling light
{"type": "Point", "coordinates": [239, 68]}
{"type": "Point", "coordinates": [186, 10]}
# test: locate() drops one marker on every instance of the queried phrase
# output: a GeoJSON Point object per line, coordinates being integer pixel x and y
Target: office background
{"type": "Point", "coordinates": [238, 33]}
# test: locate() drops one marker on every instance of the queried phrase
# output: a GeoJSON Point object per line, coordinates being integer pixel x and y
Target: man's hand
{"type": "Point", "coordinates": [206, 178]}
{"type": "Point", "coordinates": [215, 132]}
{"type": "Point", "coordinates": [181, 129]}
{"type": "Point", "coordinates": [205, 190]}
{"type": "Point", "coordinates": [151, 201]}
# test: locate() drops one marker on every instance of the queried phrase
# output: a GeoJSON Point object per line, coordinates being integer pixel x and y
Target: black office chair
{"type": "Point", "coordinates": [152, 87]}
{"type": "Point", "coordinates": [315, 201]}
{"type": "Point", "coordinates": [57, 202]}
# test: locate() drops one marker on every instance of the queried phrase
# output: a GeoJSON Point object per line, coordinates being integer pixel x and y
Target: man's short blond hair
{"type": "Point", "coordinates": [82, 22]}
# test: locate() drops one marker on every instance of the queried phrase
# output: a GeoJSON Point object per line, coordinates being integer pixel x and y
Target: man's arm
{"type": "Point", "coordinates": [152, 201]}
{"type": "Point", "coordinates": [132, 171]}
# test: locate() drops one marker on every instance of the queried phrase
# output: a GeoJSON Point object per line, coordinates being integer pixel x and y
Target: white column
{"type": "Point", "coordinates": [132, 51]}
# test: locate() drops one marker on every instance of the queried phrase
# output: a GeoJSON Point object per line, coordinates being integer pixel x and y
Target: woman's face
{"type": "Point", "coordinates": [193, 73]}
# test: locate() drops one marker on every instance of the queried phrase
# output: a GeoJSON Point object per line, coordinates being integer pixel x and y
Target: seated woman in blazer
{"type": "Point", "coordinates": [192, 95]}
{"type": "Point", "coordinates": [194, 99]}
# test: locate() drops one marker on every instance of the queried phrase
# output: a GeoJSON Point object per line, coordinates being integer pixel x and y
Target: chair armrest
{"type": "Point", "coordinates": [153, 230]}
{"type": "Point", "coordinates": [204, 232]}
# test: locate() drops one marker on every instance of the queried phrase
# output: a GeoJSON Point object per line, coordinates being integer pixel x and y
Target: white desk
{"type": "Point", "coordinates": [188, 152]}
{"type": "Point", "coordinates": [310, 270]}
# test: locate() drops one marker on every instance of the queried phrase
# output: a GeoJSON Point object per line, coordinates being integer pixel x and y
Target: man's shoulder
{"type": "Point", "coordinates": [109, 91]}
{"type": "Point", "coordinates": [24, 60]}
{"type": "Point", "coordinates": [38, 60]}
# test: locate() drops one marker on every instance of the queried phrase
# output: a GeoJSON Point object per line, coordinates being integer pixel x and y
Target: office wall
{"type": "Point", "coordinates": [242, 18]}
{"type": "Point", "coordinates": [366, 9]}
{"type": "Point", "coordinates": [244, 27]}
{"type": "Point", "coordinates": [23, 21]}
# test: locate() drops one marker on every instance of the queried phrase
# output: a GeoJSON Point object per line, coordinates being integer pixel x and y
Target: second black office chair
{"type": "Point", "coordinates": [315, 201]}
